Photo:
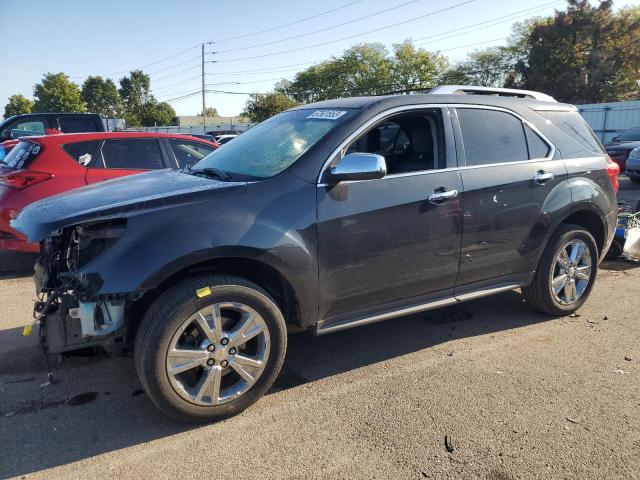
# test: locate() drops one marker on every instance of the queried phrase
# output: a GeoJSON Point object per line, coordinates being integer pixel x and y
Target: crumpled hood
{"type": "Point", "coordinates": [117, 198]}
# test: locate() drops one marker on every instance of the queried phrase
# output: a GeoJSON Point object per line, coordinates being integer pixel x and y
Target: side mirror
{"type": "Point", "coordinates": [358, 166]}
{"type": "Point", "coordinates": [6, 135]}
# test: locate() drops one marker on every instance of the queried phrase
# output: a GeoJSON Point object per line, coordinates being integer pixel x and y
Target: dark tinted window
{"type": "Point", "coordinates": [574, 125]}
{"type": "Point", "coordinates": [135, 154]}
{"type": "Point", "coordinates": [408, 142]}
{"type": "Point", "coordinates": [538, 148]}
{"type": "Point", "coordinates": [77, 124]}
{"type": "Point", "coordinates": [82, 152]}
{"type": "Point", "coordinates": [490, 136]}
{"type": "Point", "coordinates": [189, 153]}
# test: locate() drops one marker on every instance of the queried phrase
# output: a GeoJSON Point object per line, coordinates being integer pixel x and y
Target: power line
{"type": "Point", "coordinates": [171, 85]}
{"type": "Point", "coordinates": [177, 73]}
{"type": "Point", "coordinates": [271, 29]}
{"type": "Point", "coordinates": [320, 30]}
{"type": "Point", "coordinates": [349, 36]}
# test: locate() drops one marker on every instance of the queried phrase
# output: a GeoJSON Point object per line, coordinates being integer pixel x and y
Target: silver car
{"type": "Point", "coordinates": [633, 165]}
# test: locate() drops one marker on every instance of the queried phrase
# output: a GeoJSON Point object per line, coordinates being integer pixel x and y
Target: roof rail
{"type": "Point", "coordinates": [501, 92]}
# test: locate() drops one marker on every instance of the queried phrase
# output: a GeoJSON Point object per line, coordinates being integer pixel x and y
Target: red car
{"type": "Point", "coordinates": [38, 167]}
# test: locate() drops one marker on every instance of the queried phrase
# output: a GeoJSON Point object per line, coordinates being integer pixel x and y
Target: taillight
{"type": "Point", "coordinates": [613, 169]}
{"type": "Point", "coordinates": [20, 179]}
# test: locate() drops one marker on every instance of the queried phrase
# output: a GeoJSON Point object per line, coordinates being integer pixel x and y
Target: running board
{"type": "Point", "coordinates": [326, 326]}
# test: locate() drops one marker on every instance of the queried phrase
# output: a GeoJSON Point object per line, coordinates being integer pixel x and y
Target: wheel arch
{"type": "Point", "coordinates": [250, 268]}
{"type": "Point", "coordinates": [590, 221]}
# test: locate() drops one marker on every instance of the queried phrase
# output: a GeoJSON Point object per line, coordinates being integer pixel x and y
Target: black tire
{"type": "Point", "coordinates": [170, 310]}
{"type": "Point", "coordinates": [539, 294]}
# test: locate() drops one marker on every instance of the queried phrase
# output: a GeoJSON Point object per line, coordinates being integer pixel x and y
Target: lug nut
{"type": "Point", "coordinates": [224, 364]}
{"type": "Point", "coordinates": [224, 341]}
{"type": "Point", "coordinates": [210, 362]}
{"type": "Point", "coordinates": [232, 351]}
{"type": "Point", "coordinates": [211, 347]}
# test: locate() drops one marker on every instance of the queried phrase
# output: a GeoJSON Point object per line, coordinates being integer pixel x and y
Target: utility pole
{"type": "Point", "coordinates": [204, 107]}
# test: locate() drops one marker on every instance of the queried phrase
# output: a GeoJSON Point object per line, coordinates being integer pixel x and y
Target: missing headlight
{"type": "Point", "coordinates": [89, 240]}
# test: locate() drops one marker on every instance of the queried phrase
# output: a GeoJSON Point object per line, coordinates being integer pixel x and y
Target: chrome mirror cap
{"type": "Point", "coordinates": [358, 166]}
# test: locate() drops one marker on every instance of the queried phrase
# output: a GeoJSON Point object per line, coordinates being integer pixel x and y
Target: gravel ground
{"type": "Point", "coordinates": [520, 395]}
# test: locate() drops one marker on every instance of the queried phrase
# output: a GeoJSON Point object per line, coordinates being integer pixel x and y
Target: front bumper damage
{"type": "Point", "coordinates": [70, 310]}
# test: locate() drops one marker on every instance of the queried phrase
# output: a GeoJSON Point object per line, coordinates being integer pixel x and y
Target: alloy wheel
{"type": "Point", "coordinates": [218, 353]}
{"type": "Point", "coordinates": [571, 272]}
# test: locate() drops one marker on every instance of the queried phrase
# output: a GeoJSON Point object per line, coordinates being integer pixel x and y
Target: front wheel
{"type": "Point", "coordinates": [566, 272]}
{"type": "Point", "coordinates": [210, 347]}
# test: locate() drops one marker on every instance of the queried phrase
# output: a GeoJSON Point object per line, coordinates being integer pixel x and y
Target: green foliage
{"type": "Point", "coordinates": [488, 68]}
{"type": "Point", "coordinates": [17, 104]}
{"type": "Point", "coordinates": [367, 69]}
{"type": "Point", "coordinates": [101, 97]}
{"type": "Point", "coordinates": [153, 113]}
{"type": "Point", "coordinates": [585, 54]}
{"type": "Point", "coordinates": [56, 93]}
{"type": "Point", "coordinates": [261, 107]}
{"type": "Point", "coordinates": [210, 111]}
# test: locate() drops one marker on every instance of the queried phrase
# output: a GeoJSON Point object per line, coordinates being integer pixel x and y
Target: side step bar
{"type": "Point", "coordinates": [328, 326]}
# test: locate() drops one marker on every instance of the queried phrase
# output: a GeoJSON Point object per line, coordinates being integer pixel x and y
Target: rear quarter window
{"type": "Point", "coordinates": [82, 152]}
{"type": "Point", "coordinates": [574, 126]}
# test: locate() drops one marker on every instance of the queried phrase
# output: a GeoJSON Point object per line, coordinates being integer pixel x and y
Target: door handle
{"type": "Point", "coordinates": [441, 195]}
{"type": "Point", "coordinates": [543, 177]}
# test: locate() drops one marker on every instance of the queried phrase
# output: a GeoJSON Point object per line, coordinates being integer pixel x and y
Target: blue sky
{"type": "Point", "coordinates": [81, 38]}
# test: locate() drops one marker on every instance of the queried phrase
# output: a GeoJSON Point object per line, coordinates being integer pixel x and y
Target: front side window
{"type": "Point", "coordinates": [24, 129]}
{"type": "Point", "coordinates": [132, 154]}
{"type": "Point", "coordinates": [409, 142]}
{"type": "Point", "coordinates": [272, 146]}
{"type": "Point", "coordinates": [492, 136]}
{"type": "Point", "coordinates": [189, 153]}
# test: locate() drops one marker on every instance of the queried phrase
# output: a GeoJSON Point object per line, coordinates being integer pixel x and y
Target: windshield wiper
{"type": "Point", "coordinates": [211, 172]}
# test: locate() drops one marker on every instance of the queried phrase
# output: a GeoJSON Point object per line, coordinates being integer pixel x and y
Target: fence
{"type": "Point", "coordinates": [609, 119]}
{"type": "Point", "coordinates": [197, 129]}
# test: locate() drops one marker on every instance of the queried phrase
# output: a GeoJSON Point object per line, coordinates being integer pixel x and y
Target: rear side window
{"type": "Point", "coordinates": [189, 153]}
{"type": "Point", "coordinates": [490, 136]}
{"type": "Point", "coordinates": [82, 152]}
{"type": "Point", "coordinates": [133, 154]}
{"type": "Point", "coordinates": [21, 155]}
{"type": "Point", "coordinates": [77, 124]}
{"type": "Point", "coordinates": [574, 125]}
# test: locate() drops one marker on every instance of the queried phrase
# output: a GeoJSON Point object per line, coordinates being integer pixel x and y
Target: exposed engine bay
{"type": "Point", "coordinates": [71, 313]}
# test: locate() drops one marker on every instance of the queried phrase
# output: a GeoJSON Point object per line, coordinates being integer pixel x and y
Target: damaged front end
{"type": "Point", "coordinates": [71, 312]}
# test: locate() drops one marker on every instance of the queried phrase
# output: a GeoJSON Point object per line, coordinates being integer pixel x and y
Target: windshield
{"type": "Point", "coordinates": [21, 155]}
{"type": "Point", "coordinates": [631, 135]}
{"type": "Point", "coordinates": [273, 145]}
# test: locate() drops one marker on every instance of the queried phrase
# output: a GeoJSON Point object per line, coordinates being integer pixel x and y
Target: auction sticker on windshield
{"type": "Point", "coordinates": [327, 114]}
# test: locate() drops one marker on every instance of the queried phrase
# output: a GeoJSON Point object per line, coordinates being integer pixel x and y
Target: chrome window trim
{"type": "Point", "coordinates": [392, 111]}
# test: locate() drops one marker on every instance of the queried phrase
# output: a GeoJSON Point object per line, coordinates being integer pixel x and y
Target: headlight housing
{"type": "Point", "coordinates": [89, 240]}
{"type": "Point", "coordinates": [635, 154]}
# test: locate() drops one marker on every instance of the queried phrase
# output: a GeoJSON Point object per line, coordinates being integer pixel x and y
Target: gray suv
{"type": "Point", "coordinates": [324, 217]}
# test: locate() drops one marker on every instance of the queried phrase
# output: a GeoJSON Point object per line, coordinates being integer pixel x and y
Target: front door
{"type": "Point", "coordinates": [382, 241]}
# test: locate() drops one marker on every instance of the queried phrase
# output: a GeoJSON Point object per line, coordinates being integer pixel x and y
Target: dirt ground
{"type": "Point", "coordinates": [520, 395]}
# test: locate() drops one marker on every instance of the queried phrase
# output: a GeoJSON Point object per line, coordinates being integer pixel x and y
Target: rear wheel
{"type": "Point", "coordinates": [208, 348]}
{"type": "Point", "coordinates": [566, 272]}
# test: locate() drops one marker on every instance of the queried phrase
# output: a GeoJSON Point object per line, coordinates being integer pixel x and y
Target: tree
{"type": "Point", "coordinates": [210, 111]}
{"type": "Point", "coordinates": [153, 113]}
{"type": "Point", "coordinates": [17, 104]}
{"type": "Point", "coordinates": [101, 97]}
{"type": "Point", "coordinates": [57, 93]}
{"type": "Point", "coordinates": [261, 107]}
{"type": "Point", "coordinates": [416, 68]}
{"type": "Point", "coordinates": [491, 67]}
{"type": "Point", "coordinates": [585, 54]}
{"type": "Point", "coordinates": [135, 93]}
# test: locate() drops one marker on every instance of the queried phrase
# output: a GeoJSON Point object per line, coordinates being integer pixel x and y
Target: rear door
{"type": "Point", "coordinates": [509, 173]}
{"type": "Point", "coordinates": [121, 157]}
